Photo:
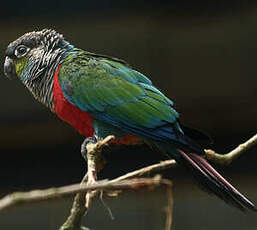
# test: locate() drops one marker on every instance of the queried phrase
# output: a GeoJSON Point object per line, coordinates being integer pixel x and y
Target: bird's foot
{"type": "Point", "coordinates": [91, 140]}
{"type": "Point", "coordinates": [91, 150]}
{"type": "Point", "coordinates": [89, 156]}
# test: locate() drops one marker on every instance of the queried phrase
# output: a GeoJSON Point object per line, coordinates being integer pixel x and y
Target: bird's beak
{"type": "Point", "coordinates": [9, 68]}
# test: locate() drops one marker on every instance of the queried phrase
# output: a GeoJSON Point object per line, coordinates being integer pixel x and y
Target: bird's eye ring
{"type": "Point", "coordinates": [21, 51]}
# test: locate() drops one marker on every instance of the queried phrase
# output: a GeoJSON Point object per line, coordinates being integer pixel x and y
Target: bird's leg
{"type": "Point", "coordinates": [88, 153]}
{"type": "Point", "coordinates": [92, 140]}
{"type": "Point", "coordinates": [91, 150]}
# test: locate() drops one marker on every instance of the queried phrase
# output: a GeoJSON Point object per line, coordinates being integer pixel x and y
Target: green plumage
{"type": "Point", "coordinates": [113, 92]}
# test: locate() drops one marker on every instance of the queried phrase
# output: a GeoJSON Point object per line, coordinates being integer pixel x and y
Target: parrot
{"type": "Point", "coordinates": [100, 95]}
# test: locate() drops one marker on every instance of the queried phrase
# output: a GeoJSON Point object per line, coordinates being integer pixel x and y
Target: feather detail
{"type": "Point", "coordinates": [127, 140]}
{"type": "Point", "coordinates": [213, 182]}
{"type": "Point", "coordinates": [77, 118]}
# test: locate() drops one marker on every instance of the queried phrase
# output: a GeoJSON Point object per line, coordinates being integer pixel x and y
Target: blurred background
{"type": "Point", "coordinates": [202, 54]}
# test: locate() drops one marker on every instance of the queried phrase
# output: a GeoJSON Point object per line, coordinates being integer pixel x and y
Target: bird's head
{"type": "Point", "coordinates": [32, 54]}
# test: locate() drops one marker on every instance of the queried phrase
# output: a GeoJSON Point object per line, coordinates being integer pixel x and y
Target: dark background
{"type": "Point", "coordinates": [202, 55]}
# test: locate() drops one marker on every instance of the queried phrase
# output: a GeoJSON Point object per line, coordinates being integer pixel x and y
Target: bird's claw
{"type": "Point", "coordinates": [92, 140]}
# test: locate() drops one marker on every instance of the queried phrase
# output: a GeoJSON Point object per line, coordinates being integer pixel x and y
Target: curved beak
{"type": "Point", "coordinates": [9, 68]}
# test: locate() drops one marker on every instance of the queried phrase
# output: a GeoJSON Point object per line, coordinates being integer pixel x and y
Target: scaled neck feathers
{"type": "Point", "coordinates": [42, 65]}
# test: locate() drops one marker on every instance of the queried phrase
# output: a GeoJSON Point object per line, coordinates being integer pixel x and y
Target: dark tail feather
{"type": "Point", "coordinates": [213, 182]}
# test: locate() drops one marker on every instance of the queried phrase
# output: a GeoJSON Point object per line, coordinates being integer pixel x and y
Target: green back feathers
{"type": "Point", "coordinates": [113, 92]}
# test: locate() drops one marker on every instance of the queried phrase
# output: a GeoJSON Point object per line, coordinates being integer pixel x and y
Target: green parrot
{"type": "Point", "coordinates": [100, 95]}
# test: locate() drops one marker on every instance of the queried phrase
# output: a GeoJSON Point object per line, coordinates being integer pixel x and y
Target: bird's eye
{"type": "Point", "coordinates": [21, 51]}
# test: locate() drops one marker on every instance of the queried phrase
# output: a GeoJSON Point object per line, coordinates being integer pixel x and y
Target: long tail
{"type": "Point", "coordinates": [212, 181]}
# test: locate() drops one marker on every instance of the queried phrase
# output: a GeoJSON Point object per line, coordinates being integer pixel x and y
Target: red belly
{"type": "Point", "coordinates": [77, 118]}
{"type": "Point", "coordinates": [80, 120]}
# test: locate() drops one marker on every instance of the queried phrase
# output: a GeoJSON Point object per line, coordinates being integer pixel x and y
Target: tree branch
{"type": "Point", "coordinates": [169, 209]}
{"type": "Point", "coordinates": [90, 183]}
{"type": "Point", "coordinates": [226, 159]}
{"type": "Point", "coordinates": [82, 200]}
{"type": "Point", "coordinates": [95, 163]}
{"type": "Point", "coordinates": [73, 222]}
{"type": "Point", "coordinates": [19, 198]}
{"type": "Point", "coordinates": [148, 169]}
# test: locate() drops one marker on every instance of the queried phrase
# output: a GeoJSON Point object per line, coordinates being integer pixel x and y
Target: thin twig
{"type": "Point", "coordinates": [226, 159]}
{"type": "Point", "coordinates": [169, 208]}
{"type": "Point", "coordinates": [149, 169]}
{"type": "Point", "coordinates": [73, 222]}
{"type": "Point", "coordinates": [33, 196]}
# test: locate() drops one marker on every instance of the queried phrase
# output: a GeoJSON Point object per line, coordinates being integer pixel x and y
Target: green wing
{"type": "Point", "coordinates": [114, 93]}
